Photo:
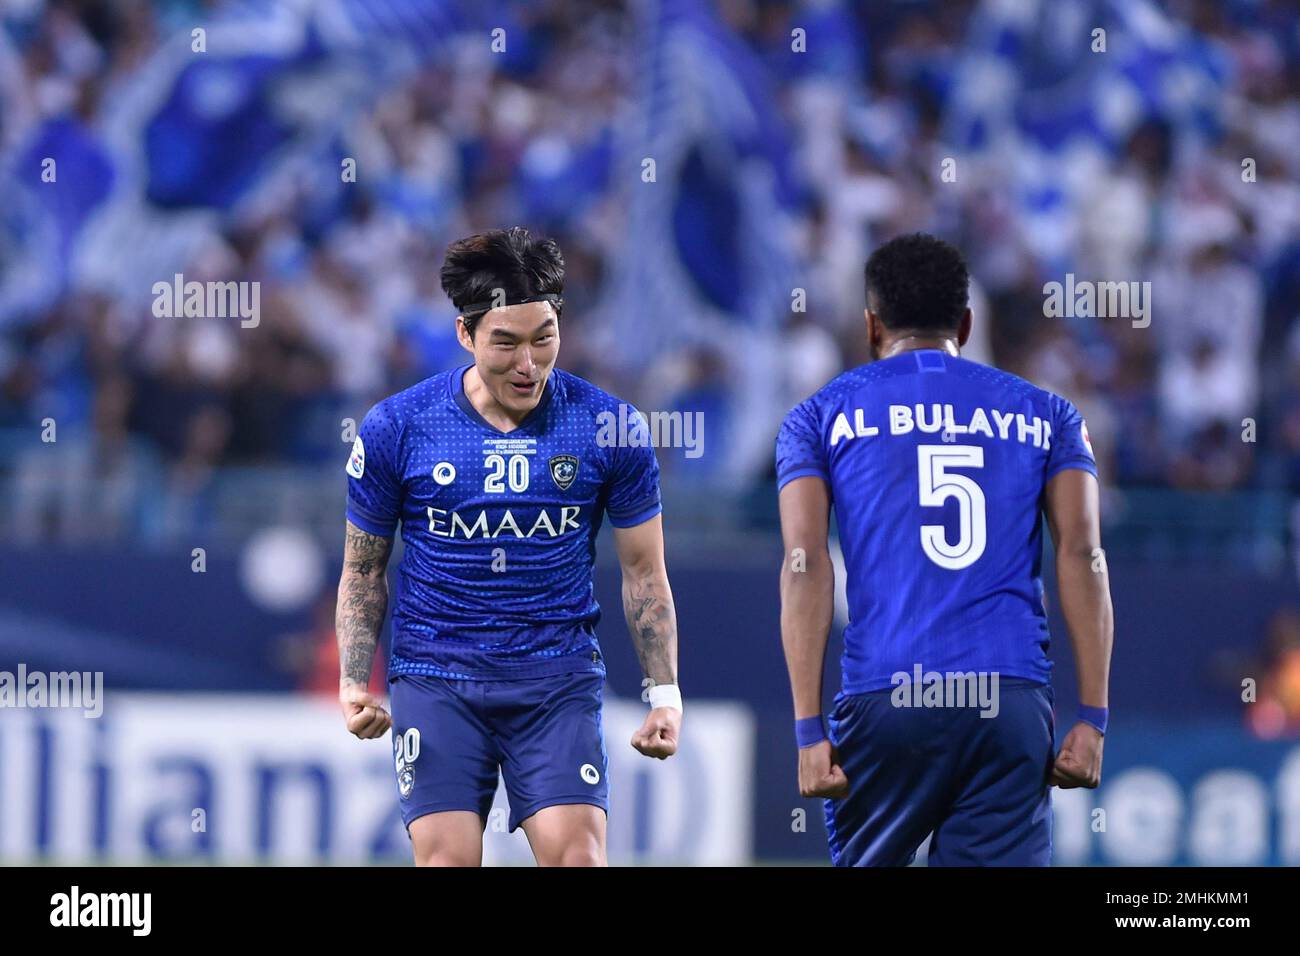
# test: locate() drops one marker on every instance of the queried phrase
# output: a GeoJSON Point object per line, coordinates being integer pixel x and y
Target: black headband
{"type": "Point", "coordinates": [477, 309]}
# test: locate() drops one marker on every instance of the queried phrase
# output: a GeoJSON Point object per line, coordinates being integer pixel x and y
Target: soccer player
{"type": "Point", "coordinates": [499, 480]}
{"type": "Point", "coordinates": [938, 468]}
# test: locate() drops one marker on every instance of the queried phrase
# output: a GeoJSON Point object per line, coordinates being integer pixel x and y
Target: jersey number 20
{"type": "Point", "coordinates": [937, 486]}
{"type": "Point", "coordinates": [516, 472]}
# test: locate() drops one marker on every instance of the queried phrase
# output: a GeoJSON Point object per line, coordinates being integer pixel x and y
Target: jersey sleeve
{"type": "Point", "coordinates": [634, 486]}
{"type": "Point", "coordinates": [1071, 447]}
{"type": "Point", "coordinates": [799, 447]}
{"type": "Point", "coordinates": [374, 486]}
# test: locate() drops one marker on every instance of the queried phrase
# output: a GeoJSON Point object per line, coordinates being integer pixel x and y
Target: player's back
{"type": "Point", "coordinates": [937, 468]}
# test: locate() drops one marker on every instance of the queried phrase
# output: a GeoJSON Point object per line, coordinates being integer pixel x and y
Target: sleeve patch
{"type": "Point", "coordinates": [357, 460]}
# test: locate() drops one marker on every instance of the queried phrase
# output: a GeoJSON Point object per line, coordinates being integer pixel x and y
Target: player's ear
{"type": "Point", "coordinates": [873, 328]}
{"type": "Point", "coordinates": [462, 334]}
{"type": "Point", "coordinates": [963, 329]}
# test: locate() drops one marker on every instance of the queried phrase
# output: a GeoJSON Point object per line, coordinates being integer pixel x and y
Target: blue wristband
{"type": "Point", "coordinates": [1096, 716]}
{"type": "Point", "coordinates": [809, 731]}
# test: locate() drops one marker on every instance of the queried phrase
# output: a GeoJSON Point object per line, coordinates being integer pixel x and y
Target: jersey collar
{"type": "Point", "coordinates": [461, 399]}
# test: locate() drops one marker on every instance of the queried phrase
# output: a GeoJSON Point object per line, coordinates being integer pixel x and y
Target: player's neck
{"type": "Point", "coordinates": [910, 343]}
{"type": "Point", "coordinates": [485, 403]}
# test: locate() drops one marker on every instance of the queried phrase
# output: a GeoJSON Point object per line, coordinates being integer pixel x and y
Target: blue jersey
{"type": "Point", "coordinates": [499, 527]}
{"type": "Point", "coordinates": [936, 468]}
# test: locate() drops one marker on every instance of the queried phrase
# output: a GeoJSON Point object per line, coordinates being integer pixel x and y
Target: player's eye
{"type": "Point", "coordinates": [543, 340]}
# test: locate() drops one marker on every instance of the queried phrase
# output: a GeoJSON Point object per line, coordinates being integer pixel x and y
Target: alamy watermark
{"type": "Point", "coordinates": [631, 428]}
{"type": "Point", "coordinates": [83, 690]}
{"type": "Point", "coordinates": [132, 911]}
{"type": "Point", "coordinates": [948, 689]}
{"type": "Point", "coordinates": [208, 300]}
{"type": "Point", "coordinates": [1098, 300]}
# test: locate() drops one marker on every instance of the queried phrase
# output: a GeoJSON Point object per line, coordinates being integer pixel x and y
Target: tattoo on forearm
{"type": "Point", "coordinates": [652, 622]}
{"type": "Point", "coordinates": [365, 553]}
{"type": "Point", "coordinates": [363, 601]}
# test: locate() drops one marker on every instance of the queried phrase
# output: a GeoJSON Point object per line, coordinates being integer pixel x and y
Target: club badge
{"type": "Point", "coordinates": [564, 469]}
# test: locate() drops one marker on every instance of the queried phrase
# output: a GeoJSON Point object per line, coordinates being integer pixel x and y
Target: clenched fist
{"type": "Point", "coordinates": [364, 712]}
{"type": "Point", "coordinates": [1079, 762]}
{"type": "Point", "coordinates": [820, 773]}
{"type": "Point", "coordinates": [658, 735]}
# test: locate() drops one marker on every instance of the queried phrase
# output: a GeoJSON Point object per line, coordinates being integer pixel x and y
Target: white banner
{"type": "Point", "coordinates": [277, 779]}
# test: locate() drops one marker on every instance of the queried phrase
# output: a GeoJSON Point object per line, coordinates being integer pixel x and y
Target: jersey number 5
{"type": "Point", "coordinates": [937, 486]}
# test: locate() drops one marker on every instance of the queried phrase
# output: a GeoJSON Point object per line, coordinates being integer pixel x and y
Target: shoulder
{"type": "Point", "coordinates": [813, 409]}
{"type": "Point", "coordinates": [617, 436]}
{"type": "Point", "coordinates": [1012, 384]}
{"type": "Point", "coordinates": [387, 419]}
{"type": "Point", "coordinates": [402, 406]}
{"type": "Point", "coordinates": [578, 393]}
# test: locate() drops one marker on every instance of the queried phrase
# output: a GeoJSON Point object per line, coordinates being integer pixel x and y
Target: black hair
{"type": "Point", "coordinates": [917, 282]}
{"type": "Point", "coordinates": [509, 260]}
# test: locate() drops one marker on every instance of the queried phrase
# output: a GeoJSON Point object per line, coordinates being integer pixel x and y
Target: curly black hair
{"type": "Point", "coordinates": [509, 260]}
{"type": "Point", "coordinates": [917, 282]}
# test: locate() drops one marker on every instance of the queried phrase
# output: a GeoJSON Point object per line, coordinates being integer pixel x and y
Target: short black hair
{"type": "Point", "coordinates": [917, 282]}
{"type": "Point", "coordinates": [507, 259]}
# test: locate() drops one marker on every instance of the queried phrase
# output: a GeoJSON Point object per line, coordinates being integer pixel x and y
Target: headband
{"type": "Point", "coordinates": [476, 309]}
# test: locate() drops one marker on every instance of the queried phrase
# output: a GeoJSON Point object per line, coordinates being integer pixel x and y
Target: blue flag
{"type": "Point", "coordinates": [711, 187]}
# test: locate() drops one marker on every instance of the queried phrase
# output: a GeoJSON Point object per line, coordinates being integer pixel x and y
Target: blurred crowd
{"type": "Point", "coordinates": [1205, 397]}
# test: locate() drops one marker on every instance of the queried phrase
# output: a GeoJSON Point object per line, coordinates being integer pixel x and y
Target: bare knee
{"type": "Point", "coordinates": [586, 851]}
{"type": "Point", "coordinates": [582, 856]}
{"type": "Point", "coordinates": [447, 857]}
{"type": "Point", "coordinates": [567, 835]}
{"type": "Point", "coordinates": [450, 838]}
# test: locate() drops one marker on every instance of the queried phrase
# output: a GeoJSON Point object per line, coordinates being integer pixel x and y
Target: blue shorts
{"type": "Point", "coordinates": [979, 784]}
{"type": "Point", "coordinates": [544, 735]}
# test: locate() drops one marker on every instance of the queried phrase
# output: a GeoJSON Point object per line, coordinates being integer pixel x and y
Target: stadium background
{"type": "Point", "coordinates": [787, 139]}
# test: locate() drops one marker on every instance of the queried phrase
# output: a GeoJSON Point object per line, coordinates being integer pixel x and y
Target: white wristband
{"type": "Point", "coordinates": [665, 695]}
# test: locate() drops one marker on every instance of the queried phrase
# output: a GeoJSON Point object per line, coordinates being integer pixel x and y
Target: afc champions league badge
{"type": "Point", "coordinates": [564, 469]}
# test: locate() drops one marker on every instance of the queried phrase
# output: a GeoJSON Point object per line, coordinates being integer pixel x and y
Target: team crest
{"type": "Point", "coordinates": [406, 782]}
{"type": "Point", "coordinates": [564, 469]}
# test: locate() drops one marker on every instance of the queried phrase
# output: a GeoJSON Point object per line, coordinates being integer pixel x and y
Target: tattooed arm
{"type": "Point", "coordinates": [652, 622]}
{"type": "Point", "coordinates": [358, 619]}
